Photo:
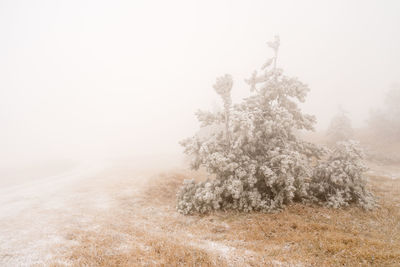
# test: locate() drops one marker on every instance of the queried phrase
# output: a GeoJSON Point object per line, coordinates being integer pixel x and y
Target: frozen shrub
{"type": "Point", "coordinates": [338, 180]}
{"type": "Point", "coordinates": [258, 161]}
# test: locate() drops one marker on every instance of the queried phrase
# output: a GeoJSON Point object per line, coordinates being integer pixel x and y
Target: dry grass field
{"type": "Point", "coordinates": [140, 227]}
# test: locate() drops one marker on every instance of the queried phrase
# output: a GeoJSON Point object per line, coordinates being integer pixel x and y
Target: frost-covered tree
{"type": "Point", "coordinates": [392, 105]}
{"type": "Point", "coordinates": [257, 160]}
{"type": "Point", "coordinates": [340, 128]}
{"type": "Point", "coordinates": [386, 122]}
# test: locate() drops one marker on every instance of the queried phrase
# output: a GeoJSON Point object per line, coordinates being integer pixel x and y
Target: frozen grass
{"type": "Point", "coordinates": [142, 228]}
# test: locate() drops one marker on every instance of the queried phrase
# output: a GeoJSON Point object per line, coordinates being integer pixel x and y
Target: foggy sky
{"type": "Point", "coordinates": [109, 78]}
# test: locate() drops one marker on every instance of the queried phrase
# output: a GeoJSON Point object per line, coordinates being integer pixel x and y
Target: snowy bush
{"type": "Point", "coordinates": [258, 162]}
{"type": "Point", "coordinates": [338, 181]}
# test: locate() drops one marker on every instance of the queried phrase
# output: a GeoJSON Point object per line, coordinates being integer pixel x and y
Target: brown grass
{"type": "Point", "coordinates": [145, 230]}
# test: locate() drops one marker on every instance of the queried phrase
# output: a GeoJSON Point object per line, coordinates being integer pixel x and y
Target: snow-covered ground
{"type": "Point", "coordinates": [388, 171]}
{"type": "Point", "coordinates": [32, 211]}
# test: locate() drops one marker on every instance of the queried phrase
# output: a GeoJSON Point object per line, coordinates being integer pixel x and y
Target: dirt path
{"type": "Point", "coordinates": [32, 212]}
{"type": "Point", "coordinates": [80, 217]}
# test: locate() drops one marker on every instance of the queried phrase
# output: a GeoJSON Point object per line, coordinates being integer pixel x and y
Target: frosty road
{"type": "Point", "coordinates": [33, 212]}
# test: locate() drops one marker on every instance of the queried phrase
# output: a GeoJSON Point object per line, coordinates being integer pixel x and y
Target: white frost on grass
{"type": "Point", "coordinates": [276, 263]}
{"type": "Point", "coordinates": [237, 257]}
{"type": "Point", "coordinates": [220, 248]}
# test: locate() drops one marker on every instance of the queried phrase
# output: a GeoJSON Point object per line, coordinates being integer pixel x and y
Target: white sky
{"type": "Point", "coordinates": [80, 78]}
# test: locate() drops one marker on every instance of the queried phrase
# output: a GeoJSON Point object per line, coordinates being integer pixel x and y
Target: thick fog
{"type": "Point", "coordinates": [112, 79]}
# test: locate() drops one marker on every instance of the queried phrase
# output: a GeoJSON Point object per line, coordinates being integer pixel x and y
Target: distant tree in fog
{"type": "Point", "coordinates": [385, 122]}
{"type": "Point", "coordinates": [392, 105]}
{"type": "Point", "coordinates": [258, 161]}
{"type": "Point", "coordinates": [340, 128]}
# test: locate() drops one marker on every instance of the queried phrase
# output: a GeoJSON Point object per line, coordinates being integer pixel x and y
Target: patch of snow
{"type": "Point", "coordinates": [31, 214]}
